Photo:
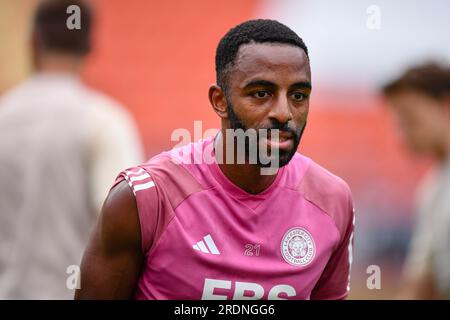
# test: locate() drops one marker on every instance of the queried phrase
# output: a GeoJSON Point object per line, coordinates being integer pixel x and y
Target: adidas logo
{"type": "Point", "coordinates": [206, 246]}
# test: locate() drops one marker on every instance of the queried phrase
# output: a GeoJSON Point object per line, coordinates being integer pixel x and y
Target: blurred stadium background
{"type": "Point", "coordinates": [157, 58]}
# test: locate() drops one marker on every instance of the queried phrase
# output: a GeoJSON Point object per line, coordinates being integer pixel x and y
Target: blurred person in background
{"type": "Point", "coordinates": [61, 144]}
{"type": "Point", "coordinates": [420, 101]}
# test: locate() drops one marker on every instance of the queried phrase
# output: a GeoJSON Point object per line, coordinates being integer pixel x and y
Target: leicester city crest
{"type": "Point", "coordinates": [297, 247]}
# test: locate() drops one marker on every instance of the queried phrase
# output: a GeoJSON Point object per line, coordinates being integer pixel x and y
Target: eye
{"type": "Point", "coordinates": [261, 94]}
{"type": "Point", "coordinates": [298, 96]}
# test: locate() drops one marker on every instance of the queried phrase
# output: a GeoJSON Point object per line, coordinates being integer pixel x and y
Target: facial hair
{"type": "Point", "coordinates": [284, 156]}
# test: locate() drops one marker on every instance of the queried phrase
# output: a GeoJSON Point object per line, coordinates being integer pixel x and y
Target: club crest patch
{"type": "Point", "coordinates": [297, 247]}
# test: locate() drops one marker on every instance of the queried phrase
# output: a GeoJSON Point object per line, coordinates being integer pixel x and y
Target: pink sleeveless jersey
{"type": "Point", "coordinates": [205, 238]}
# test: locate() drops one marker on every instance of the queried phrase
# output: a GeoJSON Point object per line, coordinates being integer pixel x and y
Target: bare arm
{"type": "Point", "coordinates": [113, 258]}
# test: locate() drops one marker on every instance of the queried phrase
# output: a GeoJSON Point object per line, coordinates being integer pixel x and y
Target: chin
{"type": "Point", "coordinates": [418, 148]}
{"type": "Point", "coordinates": [283, 159]}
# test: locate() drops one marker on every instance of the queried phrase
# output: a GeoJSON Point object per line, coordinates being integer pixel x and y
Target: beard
{"type": "Point", "coordinates": [284, 156]}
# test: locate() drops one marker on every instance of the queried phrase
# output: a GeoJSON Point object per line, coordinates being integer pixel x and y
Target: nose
{"type": "Point", "coordinates": [280, 111]}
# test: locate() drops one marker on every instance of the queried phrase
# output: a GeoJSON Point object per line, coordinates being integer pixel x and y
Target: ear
{"type": "Point", "coordinates": [218, 101]}
{"type": "Point", "coordinates": [35, 51]}
{"type": "Point", "coordinates": [445, 104]}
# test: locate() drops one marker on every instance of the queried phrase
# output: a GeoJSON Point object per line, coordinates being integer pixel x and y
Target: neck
{"type": "Point", "coordinates": [246, 176]}
{"type": "Point", "coordinates": [59, 63]}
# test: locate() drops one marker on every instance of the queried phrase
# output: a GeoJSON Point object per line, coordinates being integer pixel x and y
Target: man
{"type": "Point", "coordinates": [179, 228]}
{"type": "Point", "coordinates": [420, 101]}
{"type": "Point", "coordinates": [61, 143]}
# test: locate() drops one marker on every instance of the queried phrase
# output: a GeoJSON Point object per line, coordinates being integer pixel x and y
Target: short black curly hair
{"type": "Point", "coordinates": [259, 31]}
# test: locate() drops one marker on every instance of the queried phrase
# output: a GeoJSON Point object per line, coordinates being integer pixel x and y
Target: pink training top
{"type": "Point", "coordinates": [205, 238]}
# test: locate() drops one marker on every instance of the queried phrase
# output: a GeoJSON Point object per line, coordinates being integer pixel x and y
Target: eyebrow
{"type": "Point", "coordinates": [302, 84]}
{"type": "Point", "coordinates": [265, 83]}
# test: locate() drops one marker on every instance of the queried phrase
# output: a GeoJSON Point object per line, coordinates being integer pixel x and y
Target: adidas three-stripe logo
{"type": "Point", "coordinates": [138, 179]}
{"type": "Point", "coordinates": [206, 246]}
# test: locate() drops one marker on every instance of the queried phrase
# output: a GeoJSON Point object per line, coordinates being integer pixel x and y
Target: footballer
{"type": "Point", "coordinates": [177, 229]}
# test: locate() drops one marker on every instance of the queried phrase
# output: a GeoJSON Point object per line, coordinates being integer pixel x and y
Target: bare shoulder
{"type": "Point", "coordinates": [119, 221]}
{"type": "Point", "coordinates": [113, 258]}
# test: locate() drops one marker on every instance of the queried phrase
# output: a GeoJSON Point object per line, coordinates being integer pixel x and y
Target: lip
{"type": "Point", "coordinates": [284, 143]}
{"type": "Point", "coordinates": [284, 135]}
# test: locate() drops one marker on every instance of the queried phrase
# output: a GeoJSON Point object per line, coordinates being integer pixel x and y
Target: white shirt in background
{"type": "Point", "coordinates": [61, 146]}
{"type": "Point", "coordinates": [430, 246]}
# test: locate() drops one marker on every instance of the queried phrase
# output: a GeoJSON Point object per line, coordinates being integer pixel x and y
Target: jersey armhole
{"type": "Point", "coordinates": [146, 197]}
